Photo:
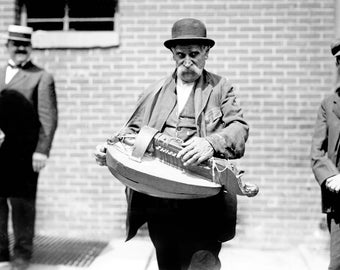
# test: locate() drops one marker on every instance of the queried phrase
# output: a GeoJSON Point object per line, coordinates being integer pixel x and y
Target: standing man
{"type": "Point", "coordinates": [325, 157]}
{"type": "Point", "coordinates": [199, 108]}
{"type": "Point", "coordinates": [28, 118]}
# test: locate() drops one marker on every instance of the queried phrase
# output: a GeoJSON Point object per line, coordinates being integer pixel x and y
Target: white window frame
{"type": "Point", "coordinates": [42, 39]}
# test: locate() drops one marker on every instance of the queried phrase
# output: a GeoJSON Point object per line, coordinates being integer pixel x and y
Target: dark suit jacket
{"type": "Point", "coordinates": [325, 148]}
{"type": "Point", "coordinates": [220, 120]}
{"type": "Point", "coordinates": [28, 117]}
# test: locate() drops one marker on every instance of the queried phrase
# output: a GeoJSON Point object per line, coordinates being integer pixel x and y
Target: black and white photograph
{"type": "Point", "coordinates": [169, 135]}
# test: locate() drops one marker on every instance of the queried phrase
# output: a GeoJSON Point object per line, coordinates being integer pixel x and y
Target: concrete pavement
{"type": "Point", "coordinates": [138, 254]}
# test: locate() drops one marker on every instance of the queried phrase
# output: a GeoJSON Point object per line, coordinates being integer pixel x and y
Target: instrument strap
{"type": "Point", "coordinates": [142, 142]}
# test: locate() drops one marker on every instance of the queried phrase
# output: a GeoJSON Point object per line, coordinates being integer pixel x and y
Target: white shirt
{"type": "Point", "coordinates": [10, 71]}
{"type": "Point", "coordinates": [183, 92]}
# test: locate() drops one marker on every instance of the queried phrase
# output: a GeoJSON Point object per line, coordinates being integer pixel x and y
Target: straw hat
{"type": "Point", "coordinates": [19, 33]}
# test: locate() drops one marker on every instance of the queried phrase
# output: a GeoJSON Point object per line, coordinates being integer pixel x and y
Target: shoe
{"type": "Point", "coordinates": [5, 266]}
{"type": "Point", "coordinates": [20, 264]}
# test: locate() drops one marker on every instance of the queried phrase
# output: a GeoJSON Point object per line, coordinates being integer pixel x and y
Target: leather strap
{"type": "Point", "coordinates": [142, 142]}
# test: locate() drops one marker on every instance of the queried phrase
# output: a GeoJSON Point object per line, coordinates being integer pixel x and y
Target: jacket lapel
{"type": "Point", "coordinates": [162, 105]}
{"type": "Point", "coordinates": [336, 103]}
{"type": "Point", "coordinates": [20, 75]}
{"type": "Point", "coordinates": [202, 94]}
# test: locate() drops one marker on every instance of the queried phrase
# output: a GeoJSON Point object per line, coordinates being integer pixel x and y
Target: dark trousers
{"type": "Point", "coordinates": [178, 249]}
{"type": "Point", "coordinates": [183, 234]}
{"type": "Point", "coordinates": [333, 221]}
{"type": "Point", "coordinates": [23, 220]}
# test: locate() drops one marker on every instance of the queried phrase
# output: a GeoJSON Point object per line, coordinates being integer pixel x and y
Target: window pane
{"type": "Point", "coordinates": [45, 8]}
{"type": "Point", "coordinates": [48, 26]}
{"type": "Point", "coordinates": [90, 8]}
{"type": "Point", "coordinates": [68, 15]}
{"type": "Point", "coordinates": [92, 26]}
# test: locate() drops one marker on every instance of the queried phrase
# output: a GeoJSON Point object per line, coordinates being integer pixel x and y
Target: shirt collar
{"type": "Point", "coordinates": [12, 64]}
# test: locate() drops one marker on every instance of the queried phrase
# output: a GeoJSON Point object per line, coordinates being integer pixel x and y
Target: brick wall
{"type": "Point", "coordinates": [276, 53]}
{"type": "Point", "coordinates": [7, 8]}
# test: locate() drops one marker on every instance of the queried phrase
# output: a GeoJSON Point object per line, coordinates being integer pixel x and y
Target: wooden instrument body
{"type": "Point", "coordinates": [156, 178]}
{"type": "Point", "coordinates": [157, 172]}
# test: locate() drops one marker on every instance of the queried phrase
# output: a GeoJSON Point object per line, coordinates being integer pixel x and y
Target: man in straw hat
{"type": "Point", "coordinates": [200, 108]}
{"type": "Point", "coordinates": [325, 157]}
{"type": "Point", "coordinates": [28, 119]}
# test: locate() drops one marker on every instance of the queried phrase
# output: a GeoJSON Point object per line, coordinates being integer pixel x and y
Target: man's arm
{"type": "Point", "coordinates": [48, 113]}
{"type": "Point", "coordinates": [229, 142]}
{"type": "Point", "coordinates": [323, 168]}
{"type": "Point", "coordinates": [48, 117]}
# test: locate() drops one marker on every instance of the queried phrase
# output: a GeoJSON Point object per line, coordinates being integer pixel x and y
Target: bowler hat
{"type": "Point", "coordinates": [19, 33]}
{"type": "Point", "coordinates": [335, 47]}
{"type": "Point", "coordinates": [188, 31]}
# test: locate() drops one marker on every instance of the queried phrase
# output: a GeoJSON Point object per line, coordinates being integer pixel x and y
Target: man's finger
{"type": "Point", "coordinates": [332, 186]}
{"type": "Point", "coordinates": [189, 155]}
{"type": "Point", "coordinates": [38, 165]}
{"type": "Point", "coordinates": [192, 160]}
{"type": "Point", "coordinates": [202, 158]}
{"type": "Point", "coordinates": [99, 155]}
{"type": "Point", "coordinates": [182, 152]}
{"type": "Point", "coordinates": [184, 144]}
{"type": "Point", "coordinates": [101, 162]}
{"type": "Point", "coordinates": [336, 188]}
{"type": "Point", "coordinates": [101, 148]}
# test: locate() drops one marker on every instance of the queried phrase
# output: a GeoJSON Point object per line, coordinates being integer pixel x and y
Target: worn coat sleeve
{"type": "Point", "coordinates": [322, 166]}
{"type": "Point", "coordinates": [229, 139]}
{"type": "Point", "coordinates": [48, 113]}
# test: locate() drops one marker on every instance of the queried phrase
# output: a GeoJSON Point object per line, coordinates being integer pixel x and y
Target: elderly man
{"type": "Point", "coordinates": [326, 163]}
{"type": "Point", "coordinates": [200, 108]}
{"type": "Point", "coordinates": [28, 119]}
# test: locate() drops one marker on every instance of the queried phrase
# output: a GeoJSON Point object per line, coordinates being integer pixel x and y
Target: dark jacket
{"type": "Point", "coordinates": [28, 117]}
{"type": "Point", "coordinates": [219, 119]}
{"type": "Point", "coordinates": [325, 148]}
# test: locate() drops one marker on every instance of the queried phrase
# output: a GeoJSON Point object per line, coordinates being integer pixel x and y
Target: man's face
{"type": "Point", "coordinates": [19, 51]}
{"type": "Point", "coordinates": [190, 61]}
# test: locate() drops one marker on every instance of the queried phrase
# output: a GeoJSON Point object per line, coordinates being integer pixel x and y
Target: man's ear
{"type": "Point", "coordinates": [207, 49]}
{"type": "Point", "coordinates": [173, 53]}
{"type": "Point", "coordinates": [206, 56]}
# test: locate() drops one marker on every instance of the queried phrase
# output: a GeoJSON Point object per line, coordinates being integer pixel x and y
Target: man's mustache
{"type": "Point", "coordinates": [21, 51]}
{"type": "Point", "coordinates": [188, 69]}
{"type": "Point", "coordinates": [191, 69]}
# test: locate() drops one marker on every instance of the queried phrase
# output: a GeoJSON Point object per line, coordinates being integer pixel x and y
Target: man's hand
{"type": "Point", "coordinates": [100, 154]}
{"type": "Point", "coordinates": [195, 151]}
{"type": "Point", "coordinates": [2, 137]}
{"type": "Point", "coordinates": [333, 183]}
{"type": "Point", "coordinates": [38, 161]}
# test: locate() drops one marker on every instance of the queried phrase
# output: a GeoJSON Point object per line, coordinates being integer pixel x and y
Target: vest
{"type": "Point", "coordinates": [182, 126]}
